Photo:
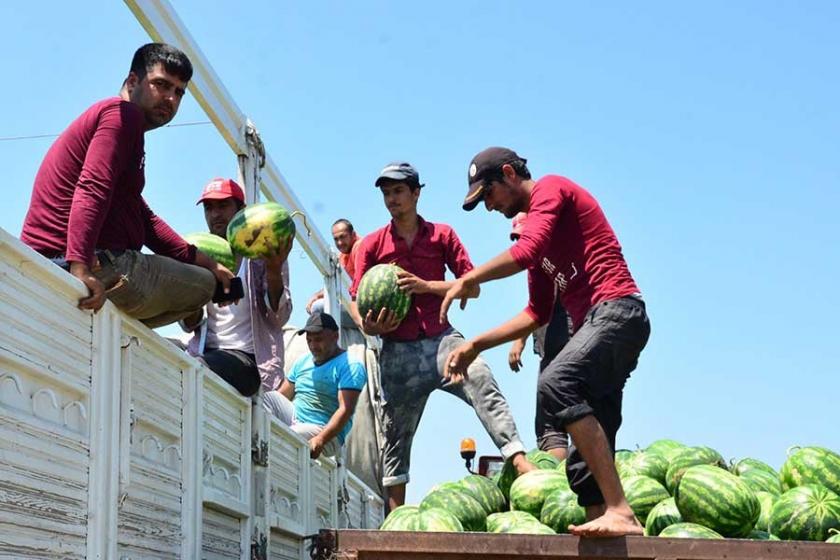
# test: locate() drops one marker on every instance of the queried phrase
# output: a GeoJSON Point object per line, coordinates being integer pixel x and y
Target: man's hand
{"type": "Point", "coordinates": [463, 289]}
{"type": "Point", "coordinates": [515, 354]}
{"type": "Point", "coordinates": [458, 361]}
{"type": "Point", "coordinates": [315, 297]}
{"type": "Point", "coordinates": [384, 323]}
{"type": "Point", "coordinates": [411, 284]}
{"type": "Point", "coordinates": [316, 447]}
{"type": "Point", "coordinates": [224, 276]}
{"type": "Point", "coordinates": [96, 298]}
{"type": "Point", "coordinates": [279, 253]}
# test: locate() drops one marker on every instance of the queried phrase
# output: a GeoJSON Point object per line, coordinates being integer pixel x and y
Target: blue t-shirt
{"type": "Point", "coordinates": [317, 387]}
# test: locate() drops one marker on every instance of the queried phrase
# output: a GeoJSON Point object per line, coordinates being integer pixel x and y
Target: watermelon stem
{"type": "Point", "coordinates": [792, 448]}
{"type": "Point", "coordinates": [305, 225]}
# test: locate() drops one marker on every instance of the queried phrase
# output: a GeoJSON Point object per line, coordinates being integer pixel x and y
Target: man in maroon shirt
{"type": "Point", "coordinates": [570, 252]}
{"type": "Point", "coordinates": [88, 214]}
{"type": "Point", "coordinates": [413, 351]}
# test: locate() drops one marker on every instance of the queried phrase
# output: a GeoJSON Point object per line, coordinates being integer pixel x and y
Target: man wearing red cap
{"type": "Point", "coordinates": [570, 252]}
{"type": "Point", "coordinates": [243, 342]}
{"type": "Point", "coordinates": [88, 214]}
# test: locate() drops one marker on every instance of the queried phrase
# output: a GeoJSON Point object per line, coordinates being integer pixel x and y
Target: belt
{"type": "Point", "coordinates": [101, 256]}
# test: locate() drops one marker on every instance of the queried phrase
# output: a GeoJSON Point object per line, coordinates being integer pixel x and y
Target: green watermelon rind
{"type": "Point", "coordinates": [717, 499]}
{"type": "Point", "coordinates": [643, 494]}
{"type": "Point", "coordinates": [560, 509]}
{"type": "Point", "coordinates": [805, 513]}
{"type": "Point", "coordinates": [498, 522]}
{"type": "Point", "coordinates": [811, 465]}
{"type": "Point", "coordinates": [687, 458]}
{"type": "Point", "coordinates": [688, 530]}
{"type": "Point", "coordinates": [459, 503]}
{"type": "Point", "coordinates": [485, 492]}
{"type": "Point", "coordinates": [663, 514]}
{"type": "Point", "coordinates": [537, 457]}
{"type": "Point", "coordinates": [214, 247]}
{"type": "Point", "coordinates": [760, 480]}
{"type": "Point", "coordinates": [254, 228]}
{"type": "Point", "coordinates": [378, 289]}
{"type": "Point", "coordinates": [529, 491]}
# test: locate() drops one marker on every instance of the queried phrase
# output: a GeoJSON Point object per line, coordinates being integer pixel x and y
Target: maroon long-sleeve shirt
{"type": "Point", "coordinates": [88, 191]}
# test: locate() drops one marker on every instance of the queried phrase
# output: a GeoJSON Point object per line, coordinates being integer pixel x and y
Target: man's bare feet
{"type": "Point", "coordinates": [614, 523]}
{"type": "Point", "coordinates": [522, 465]}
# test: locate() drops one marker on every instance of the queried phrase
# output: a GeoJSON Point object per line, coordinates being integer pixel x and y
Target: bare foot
{"type": "Point", "coordinates": [612, 524]}
{"type": "Point", "coordinates": [522, 465]}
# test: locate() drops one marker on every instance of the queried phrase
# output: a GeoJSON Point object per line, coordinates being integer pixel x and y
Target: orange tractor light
{"type": "Point", "coordinates": [468, 452]}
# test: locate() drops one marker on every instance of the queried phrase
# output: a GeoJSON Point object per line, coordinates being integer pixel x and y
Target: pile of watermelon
{"type": "Point", "coordinates": [675, 490]}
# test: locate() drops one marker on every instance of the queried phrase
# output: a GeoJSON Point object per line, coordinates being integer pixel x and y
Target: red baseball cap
{"type": "Point", "coordinates": [517, 225]}
{"type": "Point", "coordinates": [219, 189]}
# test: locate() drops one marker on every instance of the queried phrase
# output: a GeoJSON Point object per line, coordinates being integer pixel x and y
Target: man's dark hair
{"type": "Point", "coordinates": [344, 221]}
{"type": "Point", "coordinates": [174, 61]}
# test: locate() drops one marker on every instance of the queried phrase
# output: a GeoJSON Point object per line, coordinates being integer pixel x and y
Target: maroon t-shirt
{"type": "Point", "coordinates": [570, 250]}
{"type": "Point", "coordinates": [88, 190]}
{"type": "Point", "coordinates": [435, 248]}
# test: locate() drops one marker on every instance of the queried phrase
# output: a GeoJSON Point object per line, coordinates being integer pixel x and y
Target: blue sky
{"type": "Point", "coordinates": [709, 133]}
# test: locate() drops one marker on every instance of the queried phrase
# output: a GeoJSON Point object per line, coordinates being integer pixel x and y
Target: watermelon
{"type": "Point", "coordinates": [716, 498]}
{"type": "Point", "coordinates": [378, 289]}
{"type": "Point", "coordinates": [529, 491]}
{"type": "Point", "coordinates": [500, 522]}
{"type": "Point", "coordinates": [689, 531]}
{"type": "Point", "coordinates": [624, 455]}
{"type": "Point", "coordinates": [528, 529]}
{"type": "Point", "coordinates": [766, 500]}
{"type": "Point", "coordinates": [255, 231]}
{"type": "Point", "coordinates": [412, 518]}
{"type": "Point", "coordinates": [667, 448]}
{"type": "Point", "coordinates": [561, 509]}
{"type": "Point", "coordinates": [690, 457]}
{"type": "Point", "coordinates": [214, 247]}
{"type": "Point", "coordinates": [835, 536]}
{"type": "Point", "coordinates": [757, 535]}
{"type": "Point", "coordinates": [805, 513]}
{"type": "Point", "coordinates": [762, 481]}
{"type": "Point", "coordinates": [663, 514]}
{"type": "Point", "coordinates": [643, 493]}
{"type": "Point", "coordinates": [645, 464]}
{"type": "Point", "coordinates": [459, 503]}
{"type": "Point", "coordinates": [446, 486]}
{"type": "Point", "coordinates": [536, 457]}
{"type": "Point", "coordinates": [749, 464]}
{"type": "Point", "coordinates": [812, 465]}
{"type": "Point", "coordinates": [485, 493]}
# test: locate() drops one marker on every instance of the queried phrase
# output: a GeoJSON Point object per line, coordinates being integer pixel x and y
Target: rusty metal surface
{"type": "Point", "coordinates": [381, 545]}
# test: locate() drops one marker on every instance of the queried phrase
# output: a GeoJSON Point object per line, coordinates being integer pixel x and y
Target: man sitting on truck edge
{"type": "Point", "coordinates": [410, 362]}
{"type": "Point", "coordinates": [243, 342]}
{"type": "Point", "coordinates": [87, 212]}
{"type": "Point", "coordinates": [570, 251]}
{"type": "Point", "coordinates": [318, 398]}
{"type": "Point", "coordinates": [347, 241]}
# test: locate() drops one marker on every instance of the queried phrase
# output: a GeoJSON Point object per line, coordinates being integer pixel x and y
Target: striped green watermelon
{"type": "Point", "coordinates": [663, 514]}
{"type": "Point", "coordinates": [378, 289]}
{"type": "Point", "coordinates": [749, 464]}
{"type": "Point", "coordinates": [624, 455]}
{"type": "Point", "coordinates": [529, 491]}
{"type": "Point", "coordinates": [561, 509]}
{"type": "Point", "coordinates": [485, 492]}
{"type": "Point", "coordinates": [645, 464]}
{"type": "Point", "coordinates": [500, 522]}
{"type": "Point", "coordinates": [766, 500]}
{"type": "Point", "coordinates": [835, 536]}
{"type": "Point", "coordinates": [459, 503]}
{"type": "Point", "coordinates": [762, 481]}
{"type": "Point", "coordinates": [716, 498]}
{"type": "Point", "coordinates": [214, 247]}
{"type": "Point", "coordinates": [687, 458]}
{"type": "Point", "coordinates": [643, 493]}
{"type": "Point", "coordinates": [667, 448]}
{"type": "Point", "coordinates": [689, 531]}
{"type": "Point", "coordinates": [446, 486]}
{"type": "Point", "coordinates": [536, 457]}
{"type": "Point", "coordinates": [528, 529]}
{"type": "Point", "coordinates": [412, 518]}
{"type": "Point", "coordinates": [255, 231]}
{"type": "Point", "coordinates": [805, 513]}
{"type": "Point", "coordinates": [812, 465]}
{"type": "Point", "coordinates": [757, 535]}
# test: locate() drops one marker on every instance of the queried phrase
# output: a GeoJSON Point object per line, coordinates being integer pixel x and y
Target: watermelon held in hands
{"type": "Point", "coordinates": [412, 518]}
{"type": "Point", "coordinates": [664, 514]}
{"type": "Point", "coordinates": [715, 498]}
{"type": "Point", "coordinates": [536, 457]}
{"type": "Point", "coordinates": [215, 247]}
{"type": "Point", "coordinates": [256, 231]}
{"type": "Point", "coordinates": [805, 513]}
{"type": "Point", "coordinates": [378, 289]}
{"type": "Point", "coordinates": [689, 531]}
{"type": "Point", "coordinates": [812, 465]}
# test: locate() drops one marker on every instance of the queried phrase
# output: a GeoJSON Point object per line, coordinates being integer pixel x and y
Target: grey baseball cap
{"type": "Point", "coordinates": [399, 171]}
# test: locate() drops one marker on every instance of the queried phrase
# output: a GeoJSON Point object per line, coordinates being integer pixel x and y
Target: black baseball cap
{"type": "Point", "coordinates": [399, 171]}
{"type": "Point", "coordinates": [484, 163]}
{"type": "Point", "coordinates": [317, 322]}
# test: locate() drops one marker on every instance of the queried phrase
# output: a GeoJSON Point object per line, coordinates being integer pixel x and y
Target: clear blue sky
{"type": "Point", "coordinates": [709, 133]}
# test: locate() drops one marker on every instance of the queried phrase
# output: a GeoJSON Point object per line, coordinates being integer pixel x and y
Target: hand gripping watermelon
{"type": "Point", "coordinates": [716, 498]}
{"type": "Point", "coordinates": [378, 289]}
{"type": "Point", "coordinates": [812, 465]}
{"type": "Point", "coordinates": [538, 458]}
{"type": "Point", "coordinates": [805, 513]}
{"type": "Point", "coordinates": [256, 231]}
{"type": "Point", "coordinates": [214, 247]}
{"type": "Point", "coordinates": [689, 531]}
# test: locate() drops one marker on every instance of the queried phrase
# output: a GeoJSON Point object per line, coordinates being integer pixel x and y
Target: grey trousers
{"type": "Point", "coordinates": [284, 410]}
{"type": "Point", "coordinates": [409, 372]}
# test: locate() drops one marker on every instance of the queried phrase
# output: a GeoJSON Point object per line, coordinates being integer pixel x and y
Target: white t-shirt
{"type": "Point", "coordinates": [229, 328]}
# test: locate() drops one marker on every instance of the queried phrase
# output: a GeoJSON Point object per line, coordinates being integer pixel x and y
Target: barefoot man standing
{"type": "Point", "coordinates": [570, 252]}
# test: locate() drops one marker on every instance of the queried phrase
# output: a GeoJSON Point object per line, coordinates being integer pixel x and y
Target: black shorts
{"type": "Point", "coordinates": [587, 378]}
{"type": "Point", "coordinates": [236, 367]}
